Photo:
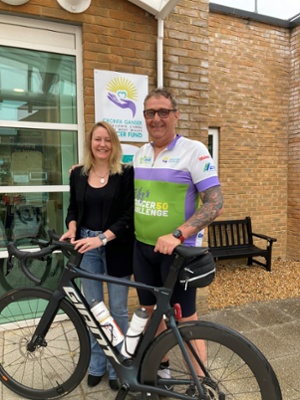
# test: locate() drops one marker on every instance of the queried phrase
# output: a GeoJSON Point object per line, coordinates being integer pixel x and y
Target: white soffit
{"type": "Point", "coordinates": [15, 2]}
{"type": "Point", "coordinates": [159, 8]}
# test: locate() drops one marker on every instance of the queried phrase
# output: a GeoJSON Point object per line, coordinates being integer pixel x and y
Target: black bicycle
{"type": "Point", "coordinates": [45, 346]}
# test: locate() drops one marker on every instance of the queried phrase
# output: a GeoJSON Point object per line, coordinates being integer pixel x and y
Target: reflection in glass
{"type": "Point", "coordinates": [37, 86]}
{"type": "Point", "coordinates": [25, 217]}
{"type": "Point", "coordinates": [48, 271]}
{"type": "Point", "coordinates": [36, 157]}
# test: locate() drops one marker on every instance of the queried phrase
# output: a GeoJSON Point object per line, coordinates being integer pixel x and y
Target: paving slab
{"type": "Point", "coordinates": [274, 327]}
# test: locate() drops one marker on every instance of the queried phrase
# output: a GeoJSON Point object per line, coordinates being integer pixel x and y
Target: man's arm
{"type": "Point", "coordinates": [211, 208]}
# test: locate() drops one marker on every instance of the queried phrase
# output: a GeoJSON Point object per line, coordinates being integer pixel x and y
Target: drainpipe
{"type": "Point", "coordinates": [160, 38]}
{"type": "Point", "coordinates": [160, 14]}
{"type": "Point", "coordinates": [167, 9]}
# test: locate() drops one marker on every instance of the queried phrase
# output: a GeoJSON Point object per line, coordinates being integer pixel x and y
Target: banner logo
{"type": "Point", "coordinates": [123, 93]}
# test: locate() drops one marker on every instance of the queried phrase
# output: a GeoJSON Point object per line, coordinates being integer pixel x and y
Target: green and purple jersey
{"type": "Point", "coordinates": [167, 189]}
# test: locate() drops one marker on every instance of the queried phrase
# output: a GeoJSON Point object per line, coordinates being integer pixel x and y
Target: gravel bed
{"type": "Point", "coordinates": [237, 284]}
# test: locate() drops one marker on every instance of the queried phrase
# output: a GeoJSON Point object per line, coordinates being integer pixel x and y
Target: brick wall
{"type": "Point", "coordinates": [116, 36]}
{"type": "Point", "coordinates": [226, 72]}
{"type": "Point", "coordinates": [119, 36]}
{"type": "Point", "coordinates": [249, 65]}
{"type": "Point", "coordinates": [293, 198]}
{"type": "Point", "coordinates": [186, 65]}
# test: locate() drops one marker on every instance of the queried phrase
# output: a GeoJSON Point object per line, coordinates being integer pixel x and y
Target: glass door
{"type": "Point", "coordinates": [40, 135]}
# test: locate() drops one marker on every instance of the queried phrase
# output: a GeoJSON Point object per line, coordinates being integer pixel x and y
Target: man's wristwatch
{"type": "Point", "coordinates": [103, 238]}
{"type": "Point", "coordinates": [178, 234]}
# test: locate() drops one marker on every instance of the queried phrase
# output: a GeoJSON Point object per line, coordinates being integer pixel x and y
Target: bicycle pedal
{"type": "Point", "coordinates": [191, 391]}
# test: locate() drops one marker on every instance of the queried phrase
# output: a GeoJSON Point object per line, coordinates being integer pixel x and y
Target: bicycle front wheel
{"type": "Point", "coordinates": [60, 361]}
{"type": "Point", "coordinates": [229, 366]}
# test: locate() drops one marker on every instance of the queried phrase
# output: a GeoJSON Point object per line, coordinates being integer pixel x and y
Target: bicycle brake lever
{"type": "Point", "coordinates": [9, 265]}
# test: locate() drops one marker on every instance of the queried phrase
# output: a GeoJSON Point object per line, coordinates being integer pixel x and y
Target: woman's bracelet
{"type": "Point", "coordinates": [103, 238]}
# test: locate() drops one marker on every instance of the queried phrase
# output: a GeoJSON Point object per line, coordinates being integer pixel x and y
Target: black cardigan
{"type": "Point", "coordinates": [119, 251]}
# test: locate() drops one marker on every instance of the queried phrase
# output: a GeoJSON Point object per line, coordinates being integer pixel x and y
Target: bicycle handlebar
{"type": "Point", "coordinates": [67, 248]}
{"type": "Point", "coordinates": [46, 248]}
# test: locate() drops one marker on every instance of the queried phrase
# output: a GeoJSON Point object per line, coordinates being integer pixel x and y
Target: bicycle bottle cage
{"type": "Point", "coordinates": [198, 271]}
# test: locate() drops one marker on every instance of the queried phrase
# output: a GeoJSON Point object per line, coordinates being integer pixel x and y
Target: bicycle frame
{"type": "Point", "coordinates": [127, 369]}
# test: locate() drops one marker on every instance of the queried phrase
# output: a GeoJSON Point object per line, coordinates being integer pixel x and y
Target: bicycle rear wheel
{"type": "Point", "coordinates": [59, 364]}
{"type": "Point", "coordinates": [236, 369]}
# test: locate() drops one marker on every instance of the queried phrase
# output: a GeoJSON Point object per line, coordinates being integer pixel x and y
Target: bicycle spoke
{"type": "Point", "coordinates": [234, 368]}
{"type": "Point", "coordinates": [52, 368]}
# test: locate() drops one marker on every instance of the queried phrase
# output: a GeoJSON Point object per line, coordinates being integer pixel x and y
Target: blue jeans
{"type": "Point", "coordinates": [94, 261]}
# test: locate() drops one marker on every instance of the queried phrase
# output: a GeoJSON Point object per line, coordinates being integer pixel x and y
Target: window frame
{"type": "Point", "coordinates": [51, 37]}
{"type": "Point", "coordinates": [214, 134]}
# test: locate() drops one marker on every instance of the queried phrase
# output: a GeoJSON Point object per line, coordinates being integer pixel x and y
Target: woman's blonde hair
{"type": "Point", "coordinates": [115, 160]}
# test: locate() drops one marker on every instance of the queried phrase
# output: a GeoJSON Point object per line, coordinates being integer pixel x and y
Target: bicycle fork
{"type": "Point", "coordinates": [38, 337]}
{"type": "Point", "coordinates": [186, 357]}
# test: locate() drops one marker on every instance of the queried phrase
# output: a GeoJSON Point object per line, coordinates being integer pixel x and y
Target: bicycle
{"type": "Point", "coordinates": [45, 346]}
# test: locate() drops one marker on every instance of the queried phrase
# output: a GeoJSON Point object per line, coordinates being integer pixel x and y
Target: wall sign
{"type": "Point", "coordinates": [119, 100]}
{"type": "Point", "coordinates": [129, 151]}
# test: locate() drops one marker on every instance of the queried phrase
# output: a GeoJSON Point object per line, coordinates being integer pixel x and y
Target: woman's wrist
{"type": "Point", "coordinates": [103, 238]}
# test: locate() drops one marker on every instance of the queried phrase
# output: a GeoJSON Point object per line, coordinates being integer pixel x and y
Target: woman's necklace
{"type": "Point", "coordinates": [102, 178]}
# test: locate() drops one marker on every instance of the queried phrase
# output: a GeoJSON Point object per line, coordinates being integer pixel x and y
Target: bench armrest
{"type": "Point", "coordinates": [268, 238]}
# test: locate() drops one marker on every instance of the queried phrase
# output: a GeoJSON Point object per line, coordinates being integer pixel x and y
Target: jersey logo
{"type": "Point", "coordinates": [172, 160]}
{"type": "Point", "coordinates": [203, 158]}
{"type": "Point", "coordinates": [209, 167]}
{"type": "Point", "coordinates": [145, 160]}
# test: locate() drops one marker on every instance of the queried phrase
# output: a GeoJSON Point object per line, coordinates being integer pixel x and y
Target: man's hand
{"type": "Point", "coordinates": [166, 244]}
{"type": "Point", "coordinates": [73, 166]}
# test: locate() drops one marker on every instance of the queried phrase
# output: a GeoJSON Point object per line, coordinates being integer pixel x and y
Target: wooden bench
{"type": "Point", "coordinates": [234, 239]}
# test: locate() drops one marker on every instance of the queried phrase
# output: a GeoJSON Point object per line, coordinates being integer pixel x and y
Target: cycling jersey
{"type": "Point", "coordinates": [167, 188]}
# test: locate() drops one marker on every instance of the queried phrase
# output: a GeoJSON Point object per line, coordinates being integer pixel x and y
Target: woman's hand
{"type": "Point", "coordinates": [86, 244]}
{"type": "Point", "coordinates": [68, 236]}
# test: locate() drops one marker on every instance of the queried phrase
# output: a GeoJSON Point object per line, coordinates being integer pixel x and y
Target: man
{"type": "Point", "coordinates": [171, 174]}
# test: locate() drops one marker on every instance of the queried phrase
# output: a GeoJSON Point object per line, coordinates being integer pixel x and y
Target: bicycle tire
{"type": "Point", "coordinates": [56, 367]}
{"type": "Point", "coordinates": [237, 368]}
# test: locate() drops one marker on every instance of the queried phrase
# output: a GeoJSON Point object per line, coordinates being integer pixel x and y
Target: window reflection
{"type": "Point", "coordinates": [38, 112]}
{"type": "Point", "coordinates": [37, 86]}
{"type": "Point", "coordinates": [25, 217]}
{"type": "Point", "coordinates": [33, 157]}
{"type": "Point", "coordinates": [48, 271]}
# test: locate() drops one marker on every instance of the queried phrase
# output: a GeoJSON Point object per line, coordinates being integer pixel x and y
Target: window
{"type": "Point", "coordinates": [41, 130]}
{"type": "Point", "coordinates": [37, 86]}
{"type": "Point", "coordinates": [213, 144]}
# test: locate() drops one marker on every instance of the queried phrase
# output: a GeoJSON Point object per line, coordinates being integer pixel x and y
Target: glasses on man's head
{"type": "Point", "coordinates": [162, 113]}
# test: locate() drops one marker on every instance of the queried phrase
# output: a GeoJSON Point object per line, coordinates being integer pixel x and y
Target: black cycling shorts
{"type": "Point", "coordinates": [152, 268]}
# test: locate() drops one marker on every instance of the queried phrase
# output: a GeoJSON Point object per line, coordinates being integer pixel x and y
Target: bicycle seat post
{"type": "Point", "coordinates": [174, 271]}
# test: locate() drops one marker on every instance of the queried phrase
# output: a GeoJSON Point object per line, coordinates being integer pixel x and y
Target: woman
{"type": "Point", "coordinates": [100, 224]}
